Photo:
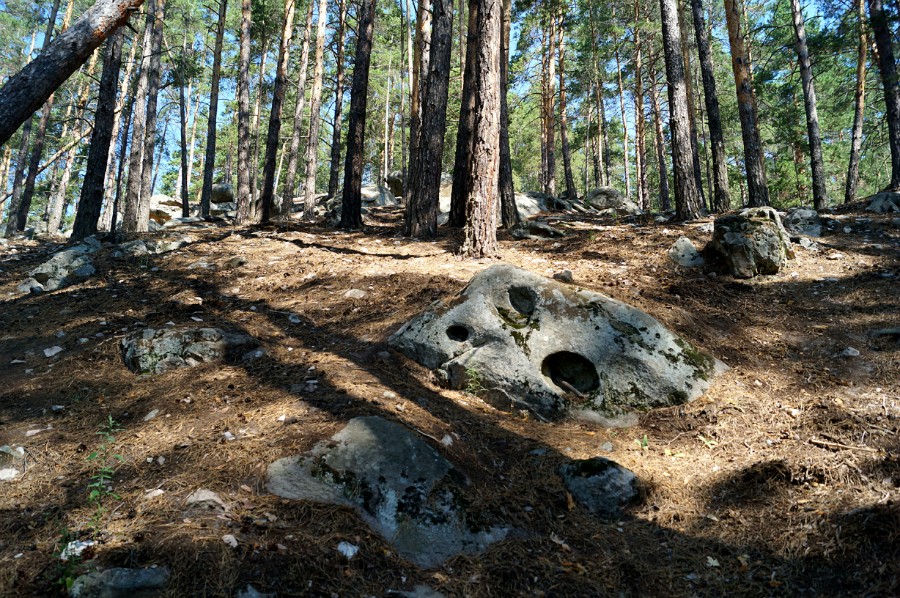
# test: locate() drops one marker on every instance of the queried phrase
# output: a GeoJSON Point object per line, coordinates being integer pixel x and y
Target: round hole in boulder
{"type": "Point", "coordinates": [523, 300]}
{"type": "Point", "coordinates": [458, 333]}
{"type": "Point", "coordinates": [573, 369]}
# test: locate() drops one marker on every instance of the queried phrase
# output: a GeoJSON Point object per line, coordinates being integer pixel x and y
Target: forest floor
{"type": "Point", "coordinates": [784, 479]}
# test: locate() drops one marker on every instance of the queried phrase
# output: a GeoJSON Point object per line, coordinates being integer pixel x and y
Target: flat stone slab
{"type": "Point", "coordinates": [397, 483]}
{"type": "Point", "coordinates": [152, 351]}
{"type": "Point", "coordinates": [524, 341]}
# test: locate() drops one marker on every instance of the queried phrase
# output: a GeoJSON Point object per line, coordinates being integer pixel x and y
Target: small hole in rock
{"type": "Point", "coordinates": [570, 368]}
{"type": "Point", "coordinates": [523, 300]}
{"type": "Point", "coordinates": [457, 333]}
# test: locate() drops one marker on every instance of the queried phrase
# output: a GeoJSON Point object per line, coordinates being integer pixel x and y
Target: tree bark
{"type": "Point", "coordinates": [466, 123]}
{"type": "Point", "coordinates": [153, 82]}
{"type": "Point", "coordinates": [333, 179]}
{"type": "Point", "coordinates": [571, 191]}
{"type": "Point", "coordinates": [550, 112]}
{"type": "Point", "coordinates": [888, 68]}
{"type": "Point", "coordinates": [12, 219]}
{"type": "Point", "coordinates": [388, 127]}
{"type": "Point", "coordinates": [425, 179]}
{"type": "Point", "coordinates": [692, 108]}
{"type": "Point", "coordinates": [255, 212]}
{"type": "Point", "coordinates": [624, 123]}
{"type": "Point", "coordinates": [687, 198]}
{"type": "Point", "coordinates": [88, 213]}
{"type": "Point", "coordinates": [660, 142]}
{"type": "Point", "coordinates": [420, 67]}
{"type": "Point", "coordinates": [351, 204]}
{"type": "Point", "coordinates": [212, 122]}
{"type": "Point", "coordinates": [721, 194]}
{"type": "Point", "coordinates": [509, 213]}
{"type": "Point", "coordinates": [244, 197]}
{"type": "Point", "coordinates": [26, 91]}
{"type": "Point", "coordinates": [809, 103]}
{"type": "Point", "coordinates": [290, 176]}
{"type": "Point", "coordinates": [754, 164]}
{"type": "Point", "coordinates": [110, 177]}
{"type": "Point", "coordinates": [315, 102]}
{"type": "Point", "coordinates": [640, 149]}
{"type": "Point", "coordinates": [287, 32]}
{"type": "Point", "coordinates": [860, 105]}
{"type": "Point", "coordinates": [182, 117]}
{"type": "Point", "coordinates": [480, 240]}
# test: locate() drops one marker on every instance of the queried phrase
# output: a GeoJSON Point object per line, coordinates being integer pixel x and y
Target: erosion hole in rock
{"type": "Point", "coordinates": [523, 300]}
{"type": "Point", "coordinates": [571, 369]}
{"type": "Point", "coordinates": [458, 333]}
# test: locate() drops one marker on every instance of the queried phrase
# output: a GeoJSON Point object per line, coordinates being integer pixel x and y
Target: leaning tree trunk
{"type": "Point", "coordinates": [351, 204]}
{"type": "Point", "coordinates": [687, 198]}
{"type": "Point", "coordinates": [480, 238]}
{"type": "Point", "coordinates": [754, 164]}
{"type": "Point", "coordinates": [244, 194]}
{"type": "Point", "coordinates": [721, 200]}
{"type": "Point", "coordinates": [315, 103]}
{"type": "Point", "coordinates": [809, 103]}
{"type": "Point", "coordinates": [290, 177]}
{"type": "Point", "coordinates": [88, 213]}
{"type": "Point", "coordinates": [509, 213]}
{"type": "Point", "coordinates": [26, 91]}
{"type": "Point", "coordinates": [333, 180]}
{"type": "Point", "coordinates": [211, 123]}
{"type": "Point", "coordinates": [860, 103]}
{"type": "Point", "coordinates": [571, 192]}
{"type": "Point", "coordinates": [888, 68]}
{"type": "Point", "coordinates": [269, 168]}
{"type": "Point", "coordinates": [458, 192]}
{"type": "Point", "coordinates": [425, 181]}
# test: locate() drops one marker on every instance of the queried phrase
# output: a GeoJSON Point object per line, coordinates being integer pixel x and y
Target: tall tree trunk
{"type": "Point", "coordinates": [721, 195]}
{"type": "Point", "coordinates": [89, 205]}
{"type": "Point", "coordinates": [27, 90]}
{"type": "Point", "coordinates": [659, 142]}
{"type": "Point", "coordinates": [463, 156]}
{"type": "Point", "coordinates": [183, 128]}
{"type": "Point", "coordinates": [212, 122]}
{"type": "Point", "coordinates": [388, 126]}
{"type": "Point", "coordinates": [860, 103]}
{"type": "Point", "coordinates": [571, 191]}
{"type": "Point", "coordinates": [509, 213]}
{"type": "Point", "coordinates": [255, 212]}
{"type": "Point", "coordinates": [351, 204]}
{"type": "Point", "coordinates": [692, 108]}
{"type": "Point", "coordinates": [550, 122]}
{"type": "Point", "coordinates": [131, 218]}
{"type": "Point", "coordinates": [420, 67]}
{"type": "Point", "coordinates": [12, 219]}
{"type": "Point", "coordinates": [754, 164]}
{"type": "Point", "coordinates": [410, 91]}
{"type": "Point", "coordinates": [333, 179]}
{"type": "Point", "coordinates": [244, 197]}
{"type": "Point", "coordinates": [624, 122]}
{"type": "Point", "coordinates": [156, 165]}
{"type": "Point", "coordinates": [602, 145]}
{"type": "Point", "coordinates": [809, 102]}
{"type": "Point", "coordinates": [290, 177]}
{"type": "Point", "coordinates": [287, 32]}
{"type": "Point", "coordinates": [153, 82]}
{"type": "Point", "coordinates": [687, 198]}
{"type": "Point", "coordinates": [888, 68]}
{"type": "Point", "coordinates": [425, 178]}
{"type": "Point", "coordinates": [315, 103]}
{"type": "Point", "coordinates": [640, 149]}
{"type": "Point", "coordinates": [480, 240]}
{"type": "Point", "coordinates": [110, 178]}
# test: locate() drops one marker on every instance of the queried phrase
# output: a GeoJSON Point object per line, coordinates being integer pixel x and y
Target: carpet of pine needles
{"type": "Point", "coordinates": [782, 480]}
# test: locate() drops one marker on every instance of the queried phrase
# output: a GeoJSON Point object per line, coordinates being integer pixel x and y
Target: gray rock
{"type": "Point", "coordinates": [398, 484]}
{"type": "Point", "coordinates": [685, 254]}
{"type": "Point", "coordinates": [530, 204]}
{"type": "Point", "coordinates": [884, 203]}
{"type": "Point", "coordinates": [154, 351]}
{"type": "Point", "coordinates": [752, 241]}
{"type": "Point", "coordinates": [554, 349]}
{"type": "Point", "coordinates": [65, 268]}
{"type": "Point", "coordinates": [600, 485]}
{"type": "Point", "coordinates": [394, 182]}
{"type": "Point", "coordinates": [221, 193]}
{"type": "Point", "coordinates": [564, 276]}
{"type": "Point", "coordinates": [803, 221]}
{"type": "Point", "coordinates": [152, 246]}
{"type": "Point", "coordinates": [535, 229]}
{"type": "Point", "coordinates": [205, 500]}
{"type": "Point", "coordinates": [355, 294]}
{"type": "Point", "coordinates": [603, 198]}
{"type": "Point", "coordinates": [706, 227]}
{"type": "Point", "coordinates": [121, 583]}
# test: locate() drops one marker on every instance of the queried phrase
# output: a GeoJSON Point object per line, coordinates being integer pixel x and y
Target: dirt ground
{"type": "Point", "coordinates": [782, 480]}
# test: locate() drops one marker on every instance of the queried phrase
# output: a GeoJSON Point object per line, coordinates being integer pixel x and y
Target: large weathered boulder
{"type": "Point", "coordinates": [153, 351]}
{"type": "Point", "coordinates": [884, 203]}
{"type": "Point", "coordinates": [604, 198]}
{"type": "Point", "coordinates": [121, 583]}
{"type": "Point", "coordinates": [803, 221]}
{"type": "Point", "coordinates": [221, 193]}
{"type": "Point", "coordinates": [397, 483]}
{"type": "Point", "coordinates": [394, 182]}
{"type": "Point", "coordinates": [602, 486]}
{"type": "Point", "coordinates": [752, 241]}
{"type": "Point", "coordinates": [65, 268]}
{"type": "Point", "coordinates": [535, 343]}
{"type": "Point", "coordinates": [163, 208]}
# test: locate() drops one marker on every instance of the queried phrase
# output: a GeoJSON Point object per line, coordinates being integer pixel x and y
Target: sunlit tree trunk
{"type": "Point", "coordinates": [860, 105]}
{"type": "Point", "coordinates": [290, 176]}
{"type": "Point", "coordinates": [640, 149]}
{"type": "Point", "coordinates": [333, 179]}
{"type": "Point", "coordinates": [625, 157]}
{"type": "Point", "coordinates": [509, 214]}
{"type": "Point", "coordinates": [464, 129]}
{"type": "Point", "coordinates": [244, 196]}
{"type": "Point", "coordinates": [659, 142]}
{"type": "Point", "coordinates": [212, 122]}
{"type": "Point", "coordinates": [315, 103]}
{"type": "Point", "coordinates": [571, 192]}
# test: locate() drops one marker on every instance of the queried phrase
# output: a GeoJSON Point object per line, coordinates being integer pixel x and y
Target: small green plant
{"type": "Point", "coordinates": [66, 568]}
{"type": "Point", "coordinates": [643, 443]}
{"type": "Point", "coordinates": [710, 444]}
{"type": "Point", "coordinates": [105, 461]}
{"type": "Point", "coordinates": [473, 381]}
